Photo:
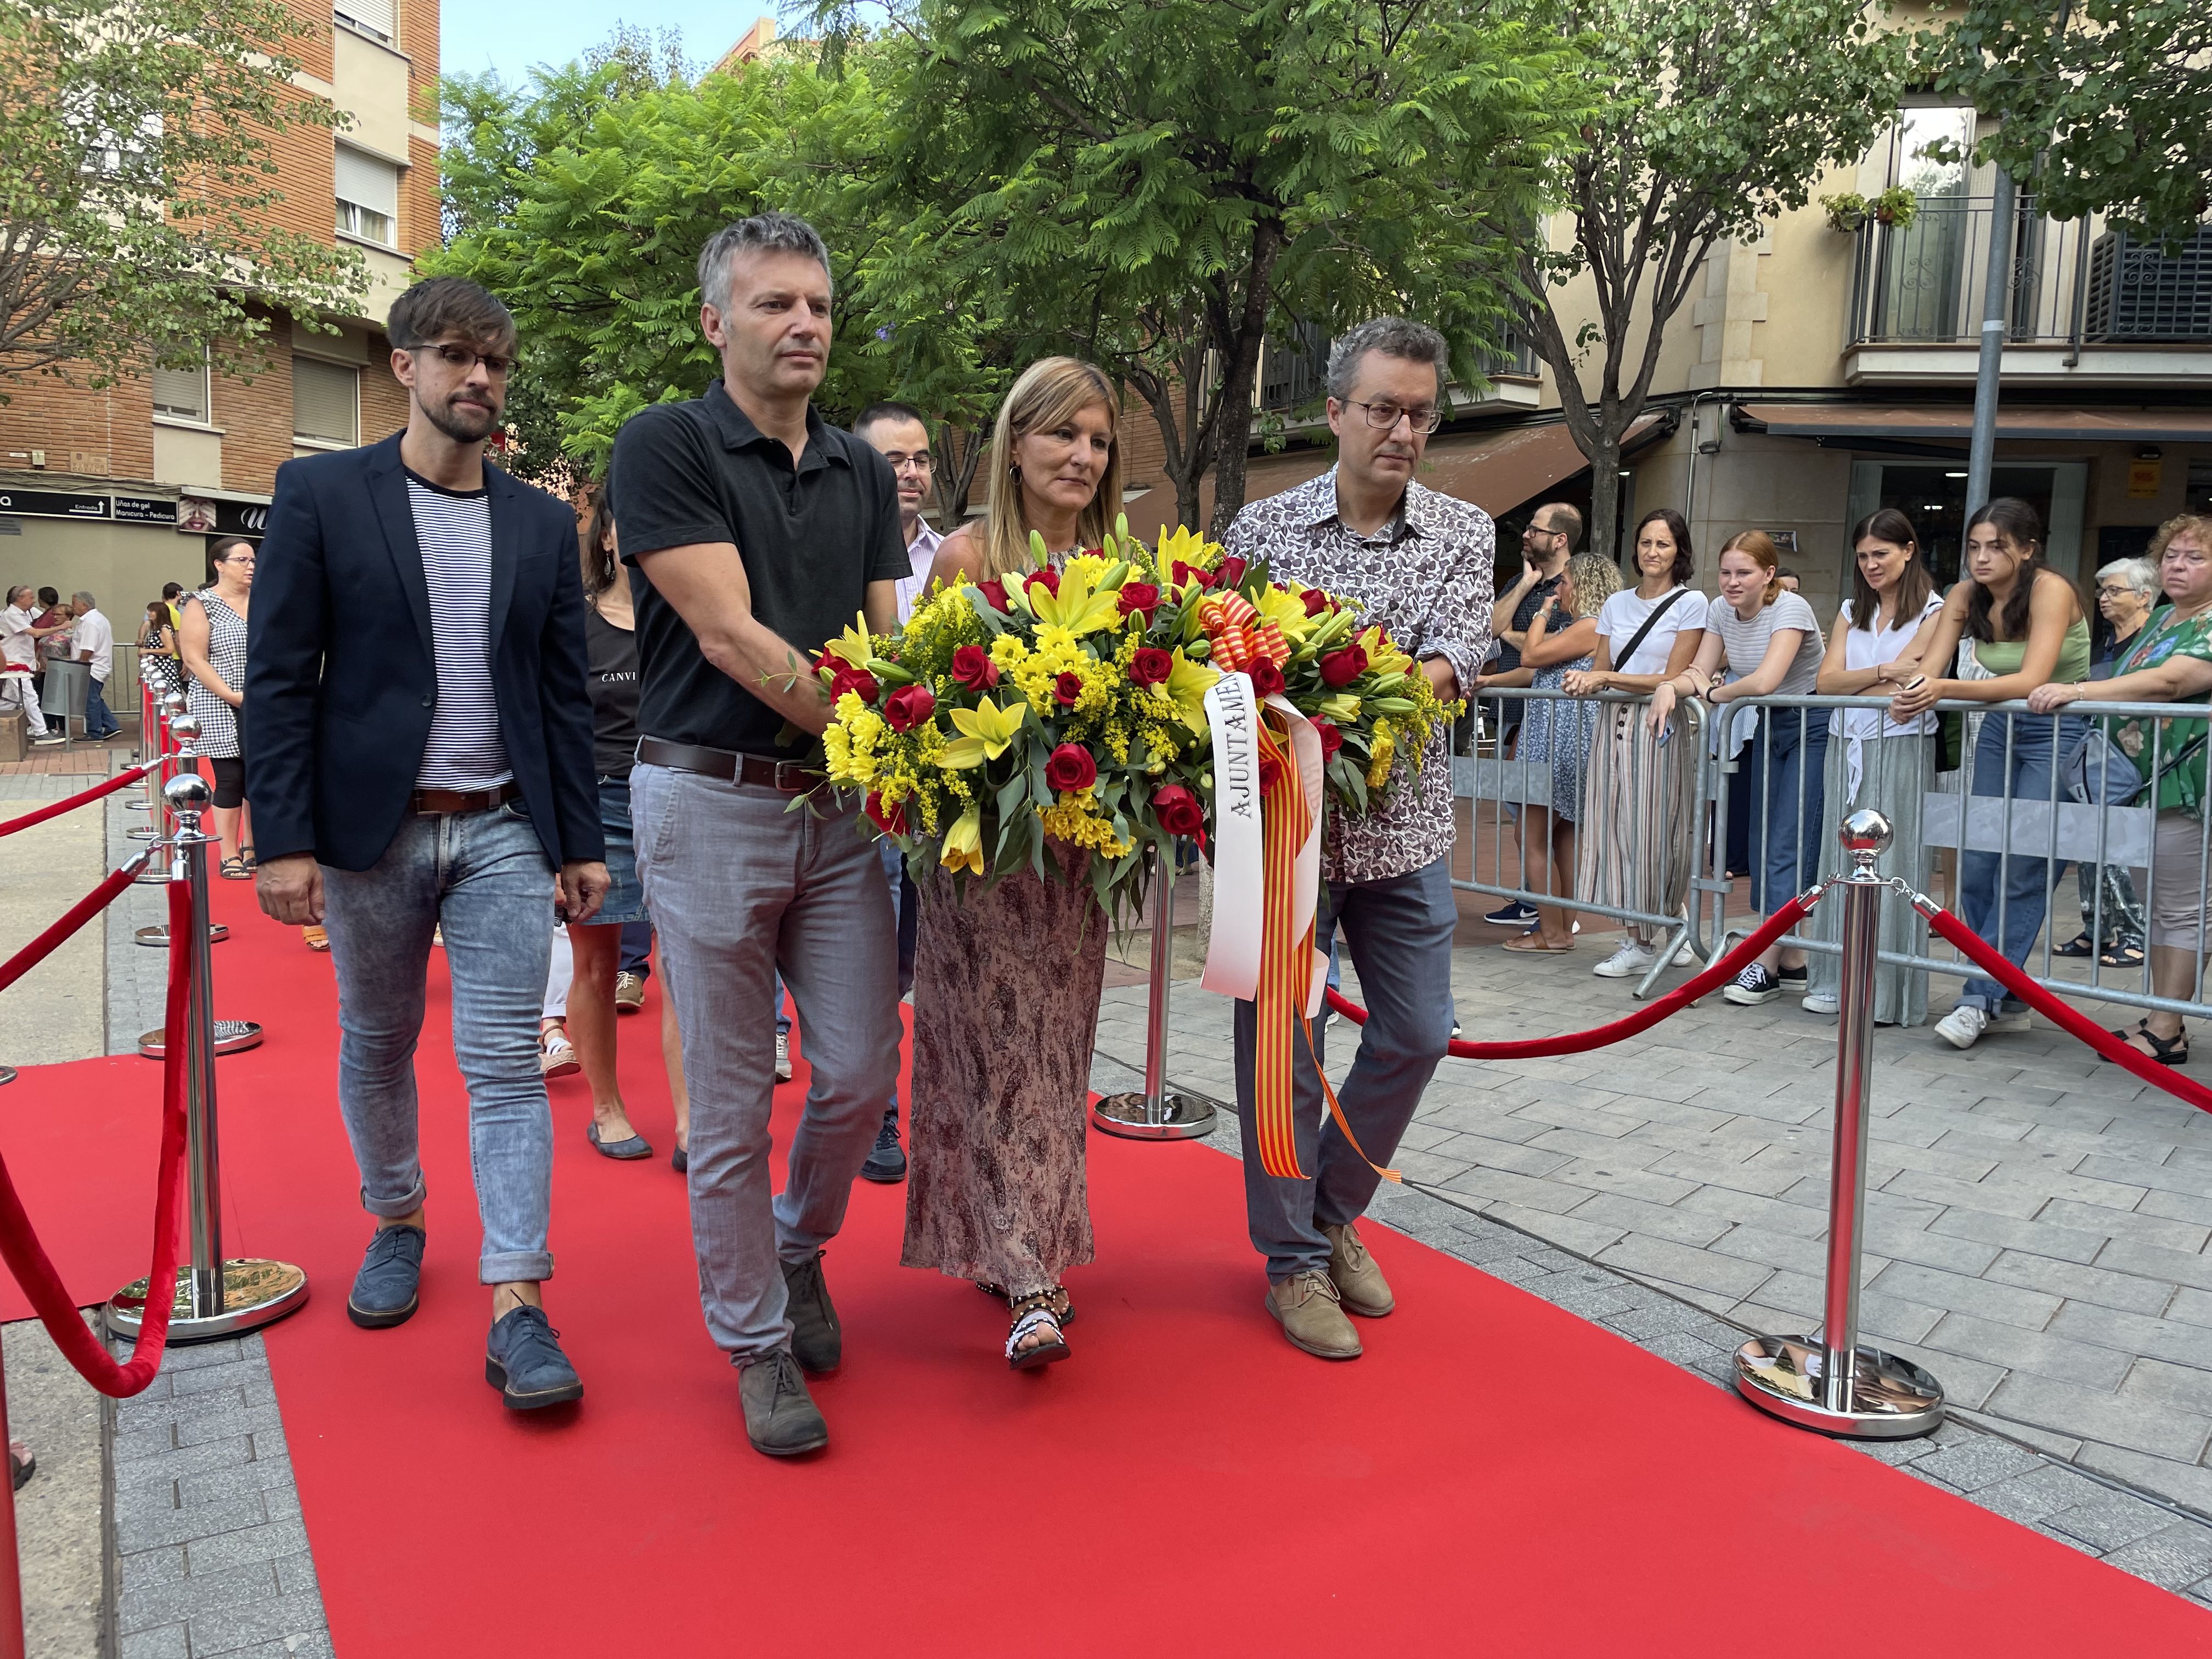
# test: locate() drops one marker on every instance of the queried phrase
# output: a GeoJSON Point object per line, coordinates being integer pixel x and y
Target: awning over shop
{"type": "Point", "coordinates": [1498, 471]}
{"type": "Point", "coordinates": [1956, 421]}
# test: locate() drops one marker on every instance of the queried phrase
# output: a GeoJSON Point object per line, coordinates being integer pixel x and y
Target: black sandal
{"type": "Point", "coordinates": [1033, 1317]}
{"type": "Point", "coordinates": [1063, 1310]}
{"type": "Point", "coordinates": [235, 870]}
{"type": "Point", "coordinates": [2166, 1051]}
{"type": "Point", "coordinates": [2080, 945]}
{"type": "Point", "coordinates": [2122, 955]}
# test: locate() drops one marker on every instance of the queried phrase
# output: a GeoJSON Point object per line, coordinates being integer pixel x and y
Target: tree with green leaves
{"type": "Point", "coordinates": [137, 185]}
{"type": "Point", "coordinates": [1164, 186]}
{"type": "Point", "coordinates": [2091, 106]}
{"type": "Point", "coordinates": [1711, 117]}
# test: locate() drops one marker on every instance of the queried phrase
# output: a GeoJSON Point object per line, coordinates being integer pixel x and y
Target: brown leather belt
{"type": "Point", "coordinates": [792, 777]}
{"type": "Point", "coordinates": [440, 801]}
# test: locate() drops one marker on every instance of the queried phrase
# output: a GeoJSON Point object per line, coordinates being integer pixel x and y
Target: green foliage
{"type": "Point", "coordinates": [2096, 105]}
{"type": "Point", "coordinates": [1896, 207]}
{"type": "Point", "coordinates": [137, 184]}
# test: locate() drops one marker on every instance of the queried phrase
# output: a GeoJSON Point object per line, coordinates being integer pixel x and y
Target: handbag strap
{"type": "Point", "coordinates": [1650, 621]}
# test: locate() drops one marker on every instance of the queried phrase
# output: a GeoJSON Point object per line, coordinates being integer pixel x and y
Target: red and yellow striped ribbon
{"type": "Point", "coordinates": [1285, 963]}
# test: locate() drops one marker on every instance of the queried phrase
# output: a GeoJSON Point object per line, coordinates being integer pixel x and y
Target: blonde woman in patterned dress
{"type": "Point", "coordinates": [1006, 978]}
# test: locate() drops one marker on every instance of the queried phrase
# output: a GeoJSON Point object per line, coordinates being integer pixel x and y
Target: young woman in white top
{"type": "Point", "coordinates": [1634, 851]}
{"type": "Point", "coordinates": [1875, 761]}
{"type": "Point", "coordinates": [1770, 640]}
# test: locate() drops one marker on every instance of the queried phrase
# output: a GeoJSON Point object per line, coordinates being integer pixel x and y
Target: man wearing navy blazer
{"type": "Point", "coordinates": [421, 758]}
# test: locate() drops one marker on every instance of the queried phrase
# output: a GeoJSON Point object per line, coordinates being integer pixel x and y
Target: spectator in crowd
{"type": "Point", "coordinates": [755, 531]}
{"type": "Point", "coordinates": [2028, 628]}
{"type": "Point", "coordinates": [158, 668]}
{"type": "Point", "coordinates": [1545, 546]}
{"type": "Point", "coordinates": [1875, 761]}
{"type": "Point", "coordinates": [93, 639]}
{"type": "Point", "coordinates": [55, 619]}
{"type": "Point", "coordinates": [211, 637]}
{"type": "Point", "coordinates": [1634, 849]}
{"type": "Point", "coordinates": [21, 638]}
{"type": "Point", "coordinates": [1769, 642]}
{"type": "Point", "coordinates": [2170, 661]}
{"type": "Point", "coordinates": [1788, 579]}
{"type": "Point", "coordinates": [2113, 924]}
{"type": "Point", "coordinates": [1561, 639]}
{"type": "Point", "coordinates": [422, 766]}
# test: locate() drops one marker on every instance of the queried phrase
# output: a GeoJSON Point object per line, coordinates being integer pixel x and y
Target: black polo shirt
{"type": "Point", "coordinates": [813, 537]}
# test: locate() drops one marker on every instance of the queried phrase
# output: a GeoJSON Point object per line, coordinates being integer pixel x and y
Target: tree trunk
{"type": "Point", "coordinates": [1605, 493]}
{"type": "Point", "coordinates": [1239, 343]}
{"type": "Point", "coordinates": [958, 453]}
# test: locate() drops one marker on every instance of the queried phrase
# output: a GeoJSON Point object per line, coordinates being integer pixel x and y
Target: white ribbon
{"type": "Point", "coordinates": [1232, 952]}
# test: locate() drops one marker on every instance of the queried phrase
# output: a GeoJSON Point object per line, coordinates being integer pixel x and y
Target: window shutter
{"type": "Point", "coordinates": [325, 401]}
{"type": "Point", "coordinates": [367, 181]}
{"type": "Point", "coordinates": [182, 392]}
{"type": "Point", "coordinates": [375, 17]}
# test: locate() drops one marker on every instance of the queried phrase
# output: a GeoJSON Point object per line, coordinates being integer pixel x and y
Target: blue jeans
{"type": "Point", "coordinates": [1400, 933]}
{"type": "Point", "coordinates": [484, 879]}
{"type": "Point", "coordinates": [2022, 882]}
{"type": "Point", "coordinates": [98, 722]}
{"type": "Point", "coordinates": [1793, 753]}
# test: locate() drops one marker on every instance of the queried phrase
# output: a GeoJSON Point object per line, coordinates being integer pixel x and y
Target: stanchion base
{"type": "Point", "coordinates": [1182, 1117]}
{"type": "Point", "coordinates": [143, 832]}
{"type": "Point", "coordinates": [7, 1074]}
{"type": "Point", "coordinates": [254, 1293]}
{"type": "Point", "coordinates": [232, 1036]}
{"type": "Point", "coordinates": [158, 934]}
{"type": "Point", "coordinates": [1891, 1398]}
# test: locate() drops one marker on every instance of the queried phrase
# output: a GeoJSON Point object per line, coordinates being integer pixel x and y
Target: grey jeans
{"type": "Point", "coordinates": [1401, 932]}
{"type": "Point", "coordinates": [740, 887]}
{"type": "Point", "coordinates": [484, 879]}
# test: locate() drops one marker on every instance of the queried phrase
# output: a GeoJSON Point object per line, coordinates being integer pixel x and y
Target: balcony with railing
{"type": "Point", "coordinates": [2083, 302]}
{"type": "Point", "coordinates": [1294, 377]}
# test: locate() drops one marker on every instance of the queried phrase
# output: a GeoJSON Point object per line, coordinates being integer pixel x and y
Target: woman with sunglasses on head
{"type": "Point", "coordinates": [1875, 761]}
{"type": "Point", "coordinates": [2028, 628]}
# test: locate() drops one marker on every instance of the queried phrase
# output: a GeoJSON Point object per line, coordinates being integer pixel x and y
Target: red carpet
{"type": "Point", "coordinates": [1496, 1476]}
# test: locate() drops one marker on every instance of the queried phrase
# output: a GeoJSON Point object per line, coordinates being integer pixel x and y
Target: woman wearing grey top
{"type": "Point", "coordinates": [1770, 640]}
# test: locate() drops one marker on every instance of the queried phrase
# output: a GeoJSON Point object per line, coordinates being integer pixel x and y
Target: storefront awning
{"type": "Point", "coordinates": [1498, 471]}
{"type": "Point", "coordinates": [1956, 421]}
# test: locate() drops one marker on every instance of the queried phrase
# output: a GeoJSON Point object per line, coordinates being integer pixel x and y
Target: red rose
{"type": "Point", "coordinates": [1178, 810]}
{"type": "Point", "coordinates": [1340, 668]}
{"type": "Point", "coordinates": [1331, 739]}
{"type": "Point", "coordinates": [973, 667]}
{"type": "Point", "coordinates": [1267, 678]}
{"type": "Point", "coordinates": [1151, 666]}
{"type": "Point", "coordinates": [849, 678]}
{"type": "Point", "coordinates": [1070, 767]}
{"type": "Point", "coordinates": [909, 706]}
{"type": "Point", "coordinates": [1139, 599]}
{"type": "Point", "coordinates": [891, 820]}
{"type": "Point", "coordinates": [1315, 601]}
{"type": "Point", "coordinates": [1232, 571]}
{"type": "Point", "coordinates": [1271, 769]}
{"type": "Point", "coordinates": [1047, 579]}
{"type": "Point", "coordinates": [1184, 573]}
{"type": "Point", "coordinates": [1068, 688]}
{"type": "Point", "coordinates": [994, 593]}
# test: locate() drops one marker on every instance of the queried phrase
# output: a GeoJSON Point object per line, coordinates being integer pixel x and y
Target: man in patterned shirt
{"type": "Point", "coordinates": [1418, 563]}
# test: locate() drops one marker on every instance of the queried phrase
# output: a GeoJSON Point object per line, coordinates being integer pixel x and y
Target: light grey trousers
{"type": "Point", "coordinates": [740, 887]}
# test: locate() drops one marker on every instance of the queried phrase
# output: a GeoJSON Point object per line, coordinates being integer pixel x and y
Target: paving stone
{"type": "Point", "coordinates": [2166, 1339]}
{"type": "Point", "coordinates": [1771, 1213]}
{"type": "Point", "coordinates": [2176, 1556]}
{"type": "Point", "coordinates": [2186, 1483]}
{"type": "Point", "coordinates": [249, 1544]}
{"type": "Point", "coordinates": [2144, 1228]}
{"type": "Point", "coordinates": [2111, 1523]}
{"type": "Point", "coordinates": [1995, 1343]}
{"type": "Point", "coordinates": [1933, 1287]}
{"type": "Point", "coordinates": [1651, 1220]}
{"type": "Point", "coordinates": [1791, 1251]}
{"type": "Point", "coordinates": [2073, 1281]}
{"type": "Point", "coordinates": [218, 1485]}
{"type": "Point", "coordinates": [150, 1567]}
{"type": "Point", "coordinates": [2093, 1414]}
{"type": "Point", "coordinates": [2183, 1386]}
{"type": "Point", "coordinates": [1882, 1318]}
{"type": "Point", "coordinates": [227, 1630]}
{"type": "Point", "coordinates": [1684, 1265]}
{"type": "Point", "coordinates": [175, 1602]}
{"type": "Point", "coordinates": [1583, 1237]}
{"type": "Point", "coordinates": [167, 1643]}
{"type": "Point", "coordinates": [1900, 1241]}
{"type": "Point", "coordinates": [2155, 1261]}
{"type": "Point", "coordinates": [2028, 1497]}
{"type": "Point", "coordinates": [173, 1526]}
{"type": "Point", "coordinates": [2130, 1172]}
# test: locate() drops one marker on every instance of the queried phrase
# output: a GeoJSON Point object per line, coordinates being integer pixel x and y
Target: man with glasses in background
{"type": "Point", "coordinates": [1418, 563]}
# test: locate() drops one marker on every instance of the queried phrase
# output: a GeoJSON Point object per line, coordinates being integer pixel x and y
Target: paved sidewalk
{"type": "Point", "coordinates": [2037, 1221]}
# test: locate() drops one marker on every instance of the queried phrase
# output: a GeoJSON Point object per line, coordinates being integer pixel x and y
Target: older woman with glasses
{"type": "Point", "coordinates": [2112, 922]}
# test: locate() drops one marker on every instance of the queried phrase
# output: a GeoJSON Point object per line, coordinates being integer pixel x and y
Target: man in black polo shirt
{"type": "Point", "coordinates": [755, 533]}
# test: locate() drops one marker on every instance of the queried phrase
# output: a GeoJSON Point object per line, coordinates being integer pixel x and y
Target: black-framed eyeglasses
{"type": "Point", "coordinates": [464, 359]}
{"type": "Point", "coordinates": [1384, 417]}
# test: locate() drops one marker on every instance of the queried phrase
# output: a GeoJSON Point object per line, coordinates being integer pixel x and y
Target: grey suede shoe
{"type": "Point", "coordinates": [384, 1291]}
{"type": "Point", "coordinates": [782, 1420]}
{"type": "Point", "coordinates": [524, 1362]}
{"type": "Point", "coordinates": [817, 1339]}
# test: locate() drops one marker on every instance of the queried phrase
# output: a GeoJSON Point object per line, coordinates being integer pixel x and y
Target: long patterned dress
{"type": "Point", "coordinates": [1006, 1009]}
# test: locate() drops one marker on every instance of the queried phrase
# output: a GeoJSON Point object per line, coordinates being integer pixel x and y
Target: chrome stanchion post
{"type": "Point", "coordinates": [213, 1296]}
{"type": "Point", "coordinates": [12, 1640]}
{"type": "Point", "coordinates": [1158, 1114]}
{"type": "Point", "coordinates": [1837, 1385]}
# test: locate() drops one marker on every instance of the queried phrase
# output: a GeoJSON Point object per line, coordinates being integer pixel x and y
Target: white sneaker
{"type": "Point", "coordinates": [1821, 1003]}
{"type": "Point", "coordinates": [1967, 1023]}
{"type": "Point", "coordinates": [1685, 956]}
{"type": "Point", "coordinates": [1630, 960]}
{"type": "Point", "coordinates": [783, 1056]}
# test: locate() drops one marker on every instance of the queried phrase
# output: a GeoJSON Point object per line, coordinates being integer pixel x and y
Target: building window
{"type": "Point", "coordinates": [368, 197]}
{"type": "Point", "coordinates": [182, 393]}
{"type": "Point", "coordinates": [326, 402]}
{"type": "Point", "coordinates": [373, 18]}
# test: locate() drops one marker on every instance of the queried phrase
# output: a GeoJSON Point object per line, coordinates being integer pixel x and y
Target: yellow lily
{"type": "Point", "coordinates": [1187, 683]}
{"type": "Point", "coordinates": [1382, 657]}
{"type": "Point", "coordinates": [1186, 544]}
{"type": "Point", "coordinates": [985, 731]}
{"type": "Point", "coordinates": [1286, 610]}
{"type": "Point", "coordinates": [963, 843]}
{"type": "Point", "coordinates": [854, 644]}
{"type": "Point", "coordinates": [1077, 607]}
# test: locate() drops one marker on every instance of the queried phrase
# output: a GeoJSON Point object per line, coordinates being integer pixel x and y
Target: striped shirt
{"type": "Point", "coordinates": [465, 750]}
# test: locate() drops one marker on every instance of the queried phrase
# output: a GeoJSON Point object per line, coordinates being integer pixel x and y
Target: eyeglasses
{"type": "Point", "coordinates": [1384, 417]}
{"type": "Point", "coordinates": [461, 358]}
{"type": "Point", "coordinates": [919, 461]}
{"type": "Point", "coordinates": [2103, 588]}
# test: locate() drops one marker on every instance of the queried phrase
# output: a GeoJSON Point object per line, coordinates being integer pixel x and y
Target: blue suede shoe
{"type": "Point", "coordinates": [384, 1290]}
{"type": "Point", "coordinates": [525, 1363]}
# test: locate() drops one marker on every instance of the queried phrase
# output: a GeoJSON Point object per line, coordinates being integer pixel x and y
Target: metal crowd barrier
{"type": "Point", "coordinates": [2035, 836]}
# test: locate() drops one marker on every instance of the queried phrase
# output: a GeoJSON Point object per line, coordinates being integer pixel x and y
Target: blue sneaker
{"type": "Point", "coordinates": [1513, 915]}
{"type": "Point", "coordinates": [525, 1363]}
{"type": "Point", "coordinates": [384, 1290]}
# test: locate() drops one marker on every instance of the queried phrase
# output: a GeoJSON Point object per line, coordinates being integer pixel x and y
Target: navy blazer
{"type": "Point", "coordinates": [341, 676]}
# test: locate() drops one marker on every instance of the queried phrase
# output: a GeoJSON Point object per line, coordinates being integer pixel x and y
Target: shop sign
{"type": "Point", "coordinates": [52, 504]}
{"type": "Point", "coordinates": [145, 509]}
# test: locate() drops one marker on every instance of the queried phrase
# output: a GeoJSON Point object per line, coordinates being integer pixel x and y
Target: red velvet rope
{"type": "Point", "coordinates": [54, 808]}
{"type": "Point", "coordinates": [2068, 1018]}
{"type": "Point", "coordinates": [27, 1258]}
{"type": "Point", "coordinates": [1576, 1042]}
{"type": "Point", "coordinates": [74, 918]}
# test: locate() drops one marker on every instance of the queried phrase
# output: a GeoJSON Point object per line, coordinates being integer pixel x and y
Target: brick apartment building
{"type": "Point", "coordinates": [120, 490]}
